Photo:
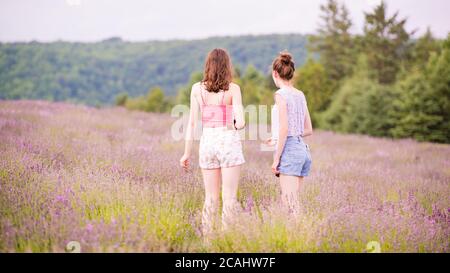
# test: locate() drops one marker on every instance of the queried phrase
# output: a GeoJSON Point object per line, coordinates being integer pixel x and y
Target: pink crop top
{"type": "Point", "coordinates": [216, 115]}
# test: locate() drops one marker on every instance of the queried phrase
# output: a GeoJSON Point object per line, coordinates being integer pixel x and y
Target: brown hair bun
{"type": "Point", "coordinates": [284, 65]}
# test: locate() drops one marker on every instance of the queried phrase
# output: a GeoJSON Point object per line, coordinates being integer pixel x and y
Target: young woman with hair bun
{"type": "Point", "coordinates": [292, 158]}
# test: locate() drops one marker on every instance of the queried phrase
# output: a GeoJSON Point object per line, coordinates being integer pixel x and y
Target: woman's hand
{"type": "Point", "coordinates": [276, 162]}
{"type": "Point", "coordinates": [270, 142]}
{"type": "Point", "coordinates": [184, 162]}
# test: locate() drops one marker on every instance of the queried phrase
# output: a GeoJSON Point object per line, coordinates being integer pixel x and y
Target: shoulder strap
{"type": "Point", "coordinates": [223, 97]}
{"type": "Point", "coordinates": [201, 93]}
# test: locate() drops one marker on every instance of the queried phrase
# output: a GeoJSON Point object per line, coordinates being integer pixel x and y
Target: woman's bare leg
{"type": "Point", "coordinates": [290, 189]}
{"type": "Point", "coordinates": [230, 182]}
{"type": "Point", "coordinates": [211, 180]}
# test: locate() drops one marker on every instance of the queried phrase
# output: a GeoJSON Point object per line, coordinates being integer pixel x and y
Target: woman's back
{"type": "Point", "coordinates": [217, 107]}
{"type": "Point", "coordinates": [213, 98]}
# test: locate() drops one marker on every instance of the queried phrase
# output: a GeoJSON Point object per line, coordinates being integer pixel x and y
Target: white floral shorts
{"type": "Point", "coordinates": [220, 148]}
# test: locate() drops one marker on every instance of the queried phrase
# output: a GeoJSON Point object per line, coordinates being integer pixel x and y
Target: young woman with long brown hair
{"type": "Point", "coordinates": [218, 100]}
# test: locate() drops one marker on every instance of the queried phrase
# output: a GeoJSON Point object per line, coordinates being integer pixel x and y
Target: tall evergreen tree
{"type": "Point", "coordinates": [386, 43]}
{"type": "Point", "coordinates": [423, 48]}
{"type": "Point", "coordinates": [334, 42]}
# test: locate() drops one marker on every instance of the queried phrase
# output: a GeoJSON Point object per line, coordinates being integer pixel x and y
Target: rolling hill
{"type": "Point", "coordinates": [94, 73]}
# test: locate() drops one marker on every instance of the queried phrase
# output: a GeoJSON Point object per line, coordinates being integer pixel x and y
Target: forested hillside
{"type": "Point", "coordinates": [94, 73]}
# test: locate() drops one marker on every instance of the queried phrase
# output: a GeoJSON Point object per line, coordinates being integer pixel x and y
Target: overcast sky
{"type": "Point", "coordinates": [139, 20]}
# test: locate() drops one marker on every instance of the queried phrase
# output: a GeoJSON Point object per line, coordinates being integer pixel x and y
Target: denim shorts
{"type": "Point", "coordinates": [296, 157]}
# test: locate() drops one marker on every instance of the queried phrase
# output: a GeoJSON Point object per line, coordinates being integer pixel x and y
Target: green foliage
{"type": "Point", "coordinates": [375, 111]}
{"type": "Point", "coordinates": [253, 88]}
{"type": "Point", "coordinates": [336, 116]}
{"type": "Point", "coordinates": [391, 92]}
{"type": "Point", "coordinates": [386, 43]}
{"type": "Point", "coordinates": [334, 43]}
{"type": "Point", "coordinates": [423, 48]}
{"type": "Point", "coordinates": [96, 72]}
{"type": "Point", "coordinates": [361, 105]}
{"type": "Point", "coordinates": [313, 80]}
{"type": "Point", "coordinates": [137, 103]}
{"type": "Point", "coordinates": [155, 101]}
{"type": "Point", "coordinates": [121, 99]}
{"type": "Point", "coordinates": [425, 102]}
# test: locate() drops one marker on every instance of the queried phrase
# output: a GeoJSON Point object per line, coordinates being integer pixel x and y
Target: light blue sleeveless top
{"type": "Point", "coordinates": [296, 110]}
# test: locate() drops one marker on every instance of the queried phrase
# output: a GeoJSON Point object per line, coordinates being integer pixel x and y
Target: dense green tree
{"type": "Point", "coordinates": [423, 48]}
{"type": "Point", "coordinates": [155, 100]}
{"type": "Point", "coordinates": [374, 111]}
{"type": "Point", "coordinates": [333, 43]}
{"type": "Point", "coordinates": [361, 105]}
{"type": "Point", "coordinates": [251, 86]}
{"type": "Point", "coordinates": [386, 43]}
{"type": "Point", "coordinates": [269, 87]}
{"type": "Point", "coordinates": [136, 103]}
{"type": "Point", "coordinates": [312, 79]}
{"type": "Point", "coordinates": [121, 99]}
{"type": "Point", "coordinates": [336, 116]}
{"type": "Point", "coordinates": [425, 102]}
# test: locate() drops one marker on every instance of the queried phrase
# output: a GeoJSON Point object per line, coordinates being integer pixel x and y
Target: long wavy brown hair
{"type": "Point", "coordinates": [218, 72]}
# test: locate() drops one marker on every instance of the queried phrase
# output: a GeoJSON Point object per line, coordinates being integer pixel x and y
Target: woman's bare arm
{"type": "Point", "coordinates": [307, 130]}
{"type": "Point", "coordinates": [283, 123]}
{"type": "Point", "coordinates": [192, 124]}
{"type": "Point", "coordinates": [238, 108]}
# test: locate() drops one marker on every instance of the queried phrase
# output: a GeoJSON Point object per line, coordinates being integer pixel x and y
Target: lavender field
{"type": "Point", "coordinates": [109, 179]}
